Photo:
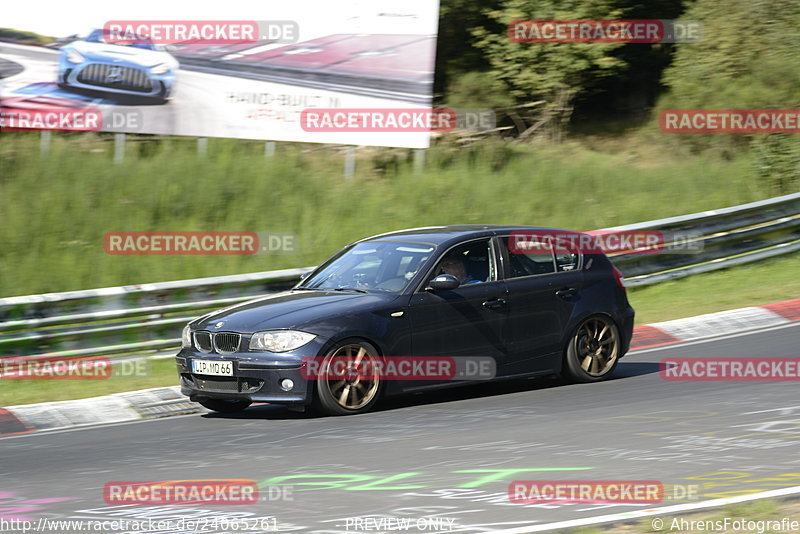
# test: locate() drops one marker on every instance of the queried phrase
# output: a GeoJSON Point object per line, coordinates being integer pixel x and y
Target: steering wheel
{"type": "Point", "coordinates": [392, 284]}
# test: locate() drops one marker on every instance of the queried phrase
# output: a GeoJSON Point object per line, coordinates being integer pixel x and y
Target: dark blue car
{"type": "Point", "coordinates": [463, 294]}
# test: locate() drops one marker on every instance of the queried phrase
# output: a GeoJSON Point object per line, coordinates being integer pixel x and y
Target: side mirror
{"type": "Point", "coordinates": [443, 282]}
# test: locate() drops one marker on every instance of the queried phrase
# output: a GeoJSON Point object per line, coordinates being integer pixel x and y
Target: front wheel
{"type": "Point", "coordinates": [593, 351]}
{"type": "Point", "coordinates": [349, 381]}
{"type": "Point", "coordinates": [225, 406]}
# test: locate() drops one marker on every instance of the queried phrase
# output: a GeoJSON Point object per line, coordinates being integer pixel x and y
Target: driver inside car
{"type": "Point", "coordinates": [455, 266]}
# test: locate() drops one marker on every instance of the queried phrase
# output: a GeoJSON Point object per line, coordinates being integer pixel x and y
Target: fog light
{"type": "Point", "coordinates": [287, 384]}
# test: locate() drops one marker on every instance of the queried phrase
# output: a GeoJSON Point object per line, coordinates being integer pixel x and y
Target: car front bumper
{"type": "Point", "coordinates": [255, 378]}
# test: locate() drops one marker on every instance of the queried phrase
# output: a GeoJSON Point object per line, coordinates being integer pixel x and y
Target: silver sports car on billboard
{"type": "Point", "coordinates": [126, 67]}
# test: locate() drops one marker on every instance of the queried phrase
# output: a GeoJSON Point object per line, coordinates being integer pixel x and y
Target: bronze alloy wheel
{"type": "Point", "coordinates": [593, 351]}
{"type": "Point", "coordinates": [349, 381]}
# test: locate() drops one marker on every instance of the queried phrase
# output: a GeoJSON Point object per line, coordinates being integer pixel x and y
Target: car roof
{"type": "Point", "coordinates": [438, 235]}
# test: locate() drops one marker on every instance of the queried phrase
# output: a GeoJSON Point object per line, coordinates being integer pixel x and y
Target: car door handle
{"type": "Point", "coordinates": [493, 304]}
{"type": "Point", "coordinates": [566, 292]}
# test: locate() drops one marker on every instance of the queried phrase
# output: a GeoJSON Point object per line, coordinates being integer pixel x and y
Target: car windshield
{"type": "Point", "coordinates": [372, 266]}
{"type": "Point", "coordinates": [103, 36]}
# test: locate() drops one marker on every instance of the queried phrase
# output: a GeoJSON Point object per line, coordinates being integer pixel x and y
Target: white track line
{"type": "Point", "coordinates": [664, 510]}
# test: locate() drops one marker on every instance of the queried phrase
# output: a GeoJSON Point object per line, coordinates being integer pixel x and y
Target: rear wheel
{"type": "Point", "coordinates": [349, 380]}
{"type": "Point", "coordinates": [225, 406]}
{"type": "Point", "coordinates": [593, 351]}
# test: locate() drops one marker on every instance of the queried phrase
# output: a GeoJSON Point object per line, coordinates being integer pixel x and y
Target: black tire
{"type": "Point", "coordinates": [348, 396]}
{"type": "Point", "coordinates": [225, 406]}
{"type": "Point", "coordinates": [593, 350]}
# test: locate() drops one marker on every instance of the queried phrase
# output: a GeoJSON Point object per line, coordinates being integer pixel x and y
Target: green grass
{"type": "Point", "coordinates": [54, 212]}
{"type": "Point", "coordinates": [750, 285]}
{"type": "Point", "coordinates": [745, 286]}
{"type": "Point", "coordinates": [161, 372]}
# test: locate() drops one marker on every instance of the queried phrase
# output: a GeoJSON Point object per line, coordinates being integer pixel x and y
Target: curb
{"type": "Point", "coordinates": [715, 324]}
{"type": "Point", "coordinates": [151, 403]}
{"type": "Point", "coordinates": [168, 401]}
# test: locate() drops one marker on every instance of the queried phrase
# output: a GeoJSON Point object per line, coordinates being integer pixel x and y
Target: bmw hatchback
{"type": "Point", "coordinates": [414, 310]}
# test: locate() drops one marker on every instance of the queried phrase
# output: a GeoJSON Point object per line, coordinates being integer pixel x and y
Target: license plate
{"type": "Point", "coordinates": [212, 367]}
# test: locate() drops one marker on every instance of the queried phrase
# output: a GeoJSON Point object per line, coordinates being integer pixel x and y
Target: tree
{"type": "Point", "coordinates": [455, 47]}
{"type": "Point", "coordinates": [552, 72]}
{"type": "Point", "coordinates": [746, 60]}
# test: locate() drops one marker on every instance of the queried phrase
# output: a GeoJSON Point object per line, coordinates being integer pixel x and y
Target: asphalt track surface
{"type": "Point", "coordinates": [448, 455]}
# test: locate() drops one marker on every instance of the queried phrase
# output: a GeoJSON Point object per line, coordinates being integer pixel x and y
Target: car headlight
{"type": "Point", "coordinates": [186, 337]}
{"type": "Point", "coordinates": [279, 340]}
{"type": "Point", "coordinates": [161, 68]}
{"type": "Point", "coordinates": [73, 56]}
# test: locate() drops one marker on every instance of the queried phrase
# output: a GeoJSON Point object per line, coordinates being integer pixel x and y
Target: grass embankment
{"type": "Point", "coordinates": [55, 211]}
{"type": "Point", "coordinates": [156, 373]}
{"type": "Point", "coordinates": [751, 285]}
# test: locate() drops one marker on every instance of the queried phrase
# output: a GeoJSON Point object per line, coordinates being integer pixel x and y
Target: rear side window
{"type": "Point", "coordinates": [567, 261]}
{"type": "Point", "coordinates": [537, 259]}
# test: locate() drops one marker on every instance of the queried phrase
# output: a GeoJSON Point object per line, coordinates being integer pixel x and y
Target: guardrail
{"type": "Point", "coordinates": [149, 317]}
{"type": "Point", "coordinates": [728, 237]}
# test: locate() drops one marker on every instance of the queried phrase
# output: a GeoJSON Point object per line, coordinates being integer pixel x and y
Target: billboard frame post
{"type": "Point", "coordinates": [44, 143]}
{"type": "Point", "coordinates": [202, 146]}
{"type": "Point", "coordinates": [350, 162]}
{"type": "Point", "coordinates": [269, 149]}
{"type": "Point", "coordinates": [419, 160]}
{"type": "Point", "coordinates": [119, 148]}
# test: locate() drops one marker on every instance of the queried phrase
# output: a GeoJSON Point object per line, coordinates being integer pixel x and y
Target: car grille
{"type": "Point", "coordinates": [117, 77]}
{"type": "Point", "coordinates": [202, 340]}
{"type": "Point", "coordinates": [221, 342]}
{"type": "Point", "coordinates": [226, 343]}
{"type": "Point", "coordinates": [214, 384]}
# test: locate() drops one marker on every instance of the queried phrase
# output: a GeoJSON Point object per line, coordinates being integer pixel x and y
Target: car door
{"type": "Point", "coordinates": [469, 321]}
{"type": "Point", "coordinates": [543, 286]}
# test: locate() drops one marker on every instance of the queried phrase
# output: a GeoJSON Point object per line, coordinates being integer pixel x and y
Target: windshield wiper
{"type": "Point", "coordinates": [349, 289]}
{"type": "Point", "coordinates": [306, 288]}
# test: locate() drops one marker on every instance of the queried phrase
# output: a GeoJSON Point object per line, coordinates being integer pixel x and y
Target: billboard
{"type": "Point", "coordinates": [236, 69]}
